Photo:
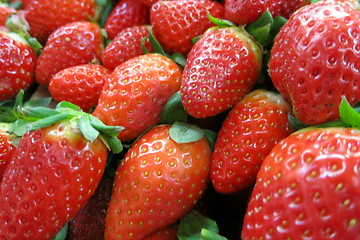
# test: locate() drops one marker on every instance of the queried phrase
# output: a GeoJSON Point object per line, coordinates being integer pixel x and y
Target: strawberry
{"type": "Point", "coordinates": [307, 188]}
{"type": "Point", "coordinates": [45, 16]}
{"type": "Point", "coordinates": [126, 45]}
{"type": "Point", "coordinates": [249, 132]}
{"type": "Point", "coordinates": [54, 170]}
{"type": "Point", "coordinates": [175, 23]}
{"type": "Point", "coordinates": [83, 43]}
{"type": "Point", "coordinates": [5, 12]}
{"type": "Point", "coordinates": [167, 233]}
{"type": "Point", "coordinates": [6, 147]}
{"type": "Point", "coordinates": [247, 11]}
{"type": "Point", "coordinates": [158, 182]}
{"type": "Point", "coordinates": [17, 68]}
{"type": "Point", "coordinates": [136, 92]}
{"type": "Point", "coordinates": [148, 3]}
{"type": "Point", "coordinates": [89, 222]}
{"type": "Point", "coordinates": [221, 68]}
{"type": "Point", "coordinates": [315, 60]}
{"type": "Point", "coordinates": [80, 84]}
{"type": "Point", "coordinates": [126, 13]}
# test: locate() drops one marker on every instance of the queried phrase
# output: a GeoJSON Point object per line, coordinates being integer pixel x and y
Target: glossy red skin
{"type": "Point", "coordinates": [17, 68]}
{"type": "Point", "coordinates": [315, 61]}
{"type": "Point", "coordinates": [89, 222]}
{"type": "Point", "coordinates": [156, 184]}
{"type": "Point", "coordinates": [220, 69]}
{"type": "Point", "coordinates": [126, 45]}
{"type": "Point", "coordinates": [80, 85]}
{"type": "Point", "coordinates": [52, 174]}
{"type": "Point", "coordinates": [247, 11]}
{"type": "Point", "coordinates": [72, 44]}
{"type": "Point", "coordinates": [249, 132]}
{"type": "Point", "coordinates": [148, 3]}
{"type": "Point", "coordinates": [308, 188]}
{"type": "Point", "coordinates": [175, 23]}
{"type": "Point", "coordinates": [167, 233]}
{"type": "Point", "coordinates": [4, 14]}
{"type": "Point", "coordinates": [7, 149]}
{"type": "Point", "coordinates": [136, 92]}
{"type": "Point", "coordinates": [45, 16]}
{"type": "Point", "coordinates": [126, 13]}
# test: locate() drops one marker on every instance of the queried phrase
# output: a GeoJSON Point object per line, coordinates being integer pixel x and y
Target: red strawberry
{"type": "Point", "coordinates": [5, 12]}
{"type": "Point", "coordinates": [6, 148]}
{"type": "Point", "coordinates": [17, 68]}
{"type": "Point", "coordinates": [136, 92]}
{"type": "Point", "coordinates": [126, 13]}
{"type": "Point", "coordinates": [45, 16]}
{"type": "Point", "coordinates": [157, 183]}
{"type": "Point", "coordinates": [175, 23]}
{"type": "Point", "coordinates": [80, 84]}
{"type": "Point", "coordinates": [126, 45]}
{"type": "Point", "coordinates": [167, 233]}
{"type": "Point", "coordinates": [252, 128]}
{"type": "Point", "coordinates": [308, 188]}
{"type": "Point", "coordinates": [89, 222]}
{"type": "Point", "coordinates": [247, 11]}
{"type": "Point", "coordinates": [220, 69]}
{"type": "Point", "coordinates": [72, 44]}
{"type": "Point", "coordinates": [52, 173]}
{"type": "Point", "coordinates": [315, 60]}
{"type": "Point", "coordinates": [148, 3]}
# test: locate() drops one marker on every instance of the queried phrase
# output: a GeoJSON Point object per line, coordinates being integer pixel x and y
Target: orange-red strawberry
{"type": "Point", "coordinates": [221, 68]}
{"type": "Point", "coordinates": [126, 13]}
{"type": "Point", "coordinates": [175, 23]}
{"type": "Point", "coordinates": [249, 132]}
{"type": "Point", "coordinates": [80, 84]}
{"type": "Point", "coordinates": [6, 147]}
{"type": "Point", "coordinates": [126, 45]}
{"type": "Point", "coordinates": [136, 92]}
{"type": "Point", "coordinates": [45, 16]}
{"type": "Point", "coordinates": [72, 44]}
{"type": "Point", "coordinates": [157, 183]}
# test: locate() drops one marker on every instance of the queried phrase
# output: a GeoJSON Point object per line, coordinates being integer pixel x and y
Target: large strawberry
{"type": "Point", "coordinates": [247, 11]}
{"type": "Point", "coordinates": [167, 233]}
{"type": "Point", "coordinates": [221, 68]}
{"type": "Point", "coordinates": [54, 170]}
{"type": "Point", "coordinates": [315, 60]}
{"type": "Point", "coordinates": [7, 147]}
{"type": "Point", "coordinates": [126, 13]}
{"type": "Point", "coordinates": [175, 23]}
{"type": "Point", "coordinates": [136, 92]}
{"type": "Point", "coordinates": [249, 132]}
{"type": "Point", "coordinates": [80, 84]}
{"type": "Point", "coordinates": [126, 45]}
{"type": "Point", "coordinates": [72, 44]}
{"type": "Point", "coordinates": [45, 16]}
{"type": "Point", "coordinates": [158, 182]}
{"type": "Point", "coordinates": [308, 188]}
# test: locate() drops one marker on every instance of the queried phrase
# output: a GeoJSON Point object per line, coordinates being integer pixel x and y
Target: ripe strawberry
{"type": "Point", "coordinates": [175, 23]}
{"type": "Point", "coordinates": [315, 60]}
{"type": "Point", "coordinates": [17, 68]}
{"type": "Point", "coordinates": [252, 128]}
{"type": "Point", "coordinates": [126, 13]}
{"type": "Point", "coordinates": [167, 233]}
{"type": "Point", "coordinates": [89, 222]}
{"type": "Point", "coordinates": [72, 44]}
{"type": "Point", "coordinates": [148, 3]}
{"type": "Point", "coordinates": [220, 69]}
{"type": "Point", "coordinates": [157, 183]}
{"type": "Point", "coordinates": [45, 16]}
{"type": "Point", "coordinates": [5, 12]}
{"type": "Point", "coordinates": [6, 147]}
{"type": "Point", "coordinates": [126, 45]}
{"type": "Point", "coordinates": [52, 173]}
{"type": "Point", "coordinates": [136, 92]}
{"type": "Point", "coordinates": [307, 188]}
{"type": "Point", "coordinates": [247, 11]}
{"type": "Point", "coordinates": [80, 84]}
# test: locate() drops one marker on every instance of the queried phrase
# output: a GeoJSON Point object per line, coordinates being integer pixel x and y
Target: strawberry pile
{"type": "Point", "coordinates": [186, 119]}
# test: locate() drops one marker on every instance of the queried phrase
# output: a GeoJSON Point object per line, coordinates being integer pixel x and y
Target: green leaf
{"type": "Point", "coordinates": [185, 133]}
{"type": "Point", "coordinates": [113, 143]}
{"type": "Point", "coordinates": [143, 47]}
{"type": "Point", "coordinates": [262, 34]}
{"type": "Point", "coordinates": [348, 114]}
{"type": "Point", "coordinates": [220, 22]}
{"type": "Point", "coordinates": [61, 235]}
{"type": "Point", "coordinates": [211, 136]}
{"type": "Point", "coordinates": [20, 127]}
{"type": "Point", "coordinates": [208, 235]}
{"type": "Point", "coordinates": [191, 226]}
{"type": "Point", "coordinates": [173, 110]}
{"type": "Point", "coordinates": [46, 122]}
{"type": "Point", "coordinates": [33, 114]}
{"type": "Point", "coordinates": [87, 129]}
{"type": "Point", "coordinates": [111, 131]}
{"type": "Point", "coordinates": [156, 45]}
{"type": "Point", "coordinates": [179, 59]}
{"type": "Point", "coordinates": [39, 102]}
{"type": "Point", "coordinates": [65, 104]}
{"type": "Point", "coordinates": [260, 29]}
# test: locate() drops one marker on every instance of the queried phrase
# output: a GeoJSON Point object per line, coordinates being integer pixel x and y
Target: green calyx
{"type": "Point", "coordinates": [35, 114]}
